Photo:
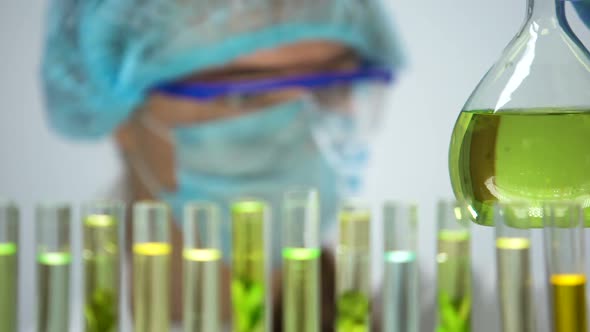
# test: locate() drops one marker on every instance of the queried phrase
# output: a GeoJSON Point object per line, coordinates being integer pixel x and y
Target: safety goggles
{"type": "Point", "coordinates": [248, 89]}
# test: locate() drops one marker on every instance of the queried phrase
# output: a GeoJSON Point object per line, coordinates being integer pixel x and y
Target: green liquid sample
{"type": "Point", "coordinates": [202, 307]}
{"type": "Point", "coordinates": [532, 155]}
{"type": "Point", "coordinates": [454, 282]}
{"type": "Point", "coordinates": [151, 287]}
{"type": "Point", "coordinates": [353, 284]}
{"type": "Point", "coordinates": [101, 274]}
{"type": "Point", "coordinates": [8, 287]}
{"type": "Point", "coordinates": [248, 278]}
{"type": "Point", "coordinates": [353, 312]}
{"type": "Point", "coordinates": [301, 285]}
{"type": "Point", "coordinates": [53, 279]}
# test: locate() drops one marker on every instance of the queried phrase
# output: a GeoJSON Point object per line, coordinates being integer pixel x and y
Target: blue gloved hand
{"type": "Point", "coordinates": [583, 9]}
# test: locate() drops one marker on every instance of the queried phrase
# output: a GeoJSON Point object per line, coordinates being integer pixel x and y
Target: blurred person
{"type": "Point", "coordinates": [213, 100]}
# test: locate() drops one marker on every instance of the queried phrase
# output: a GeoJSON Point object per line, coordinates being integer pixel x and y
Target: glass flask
{"type": "Point", "coordinates": [524, 134]}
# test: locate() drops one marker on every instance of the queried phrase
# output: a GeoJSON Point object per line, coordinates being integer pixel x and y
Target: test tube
{"type": "Point", "coordinates": [248, 268]}
{"type": "Point", "coordinates": [202, 262]}
{"type": "Point", "coordinates": [400, 283]}
{"type": "Point", "coordinates": [564, 250]}
{"type": "Point", "coordinates": [513, 243]}
{"type": "Point", "coordinates": [151, 267]}
{"type": "Point", "coordinates": [454, 267]}
{"type": "Point", "coordinates": [101, 223]}
{"type": "Point", "coordinates": [53, 267]}
{"type": "Point", "coordinates": [301, 261]}
{"type": "Point", "coordinates": [9, 219]}
{"type": "Point", "coordinates": [353, 283]}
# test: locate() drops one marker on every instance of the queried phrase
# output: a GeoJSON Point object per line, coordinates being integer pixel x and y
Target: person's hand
{"type": "Point", "coordinates": [583, 9]}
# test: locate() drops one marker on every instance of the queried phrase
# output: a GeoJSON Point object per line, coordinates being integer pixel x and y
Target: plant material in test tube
{"type": "Point", "coordinates": [8, 286]}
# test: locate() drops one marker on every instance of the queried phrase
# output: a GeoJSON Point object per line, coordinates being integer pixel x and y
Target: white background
{"type": "Point", "coordinates": [450, 45]}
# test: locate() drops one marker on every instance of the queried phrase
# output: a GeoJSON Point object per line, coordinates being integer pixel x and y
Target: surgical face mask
{"type": "Point", "coordinates": [314, 140]}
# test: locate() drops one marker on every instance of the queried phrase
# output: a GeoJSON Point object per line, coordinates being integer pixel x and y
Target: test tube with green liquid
{"type": "Point", "coordinates": [513, 242]}
{"type": "Point", "coordinates": [454, 268]}
{"type": "Point", "coordinates": [248, 266]}
{"type": "Point", "coordinates": [301, 261]}
{"type": "Point", "coordinates": [202, 263]}
{"type": "Point", "coordinates": [564, 252]}
{"type": "Point", "coordinates": [353, 283]}
{"type": "Point", "coordinates": [102, 230]}
{"type": "Point", "coordinates": [400, 282]}
{"type": "Point", "coordinates": [151, 267]}
{"type": "Point", "coordinates": [9, 219]}
{"type": "Point", "coordinates": [53, 267]}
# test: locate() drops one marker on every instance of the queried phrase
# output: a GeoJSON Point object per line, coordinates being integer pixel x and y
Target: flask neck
{"type": "Point", "coordinates": [546, 12]}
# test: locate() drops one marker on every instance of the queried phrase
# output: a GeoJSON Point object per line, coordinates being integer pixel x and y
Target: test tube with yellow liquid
{"type": "Point", "coordinates": [301, 261]}
{"type": "Point", "coordinates": [151, 267]}
{"type": "Point", "coordinates": [454, 268]}
{"type": "Point", "coordinates": [54, 260]}
{"type": "Point", "coordinates": [400, 281]}
{"type": "Point", "coordinates": [102, 230]}
{"type": "Point", "coordinates": [202, 263]}
{"type": "Point", "coordinates": [353, 277]}
{"type": "Point", "coordinates": [564, 252]}
{"type": "Point", "coordinates": [513, 244]}
{"type": "Point", "coordinates": [9, 220]}
{"type": "Point", "coordinates": [248, 288]}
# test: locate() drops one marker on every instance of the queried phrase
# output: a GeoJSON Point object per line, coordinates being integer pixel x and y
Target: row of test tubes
{"type": "Point", "coordinates": [563, 249]}
{"type": "Point", "coordinates": [103, 264]}
{"type": "Point", "coordinates": [103, 238]}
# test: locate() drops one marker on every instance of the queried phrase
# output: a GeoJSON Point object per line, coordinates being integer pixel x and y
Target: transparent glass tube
{"type": "Point", "coordinates": [513, 244]}
{"type": "Point", "coordinates": [202, 263]}
{"type": "Point", "coordinates": [151, 267]}
{"type": "Point", "coordinates": [353, 277]}
{"type": "Point", "coordinates": [400, 282]}
{"type": "Point", "coordinates": [9, 225]}
{"type": "Point", "coordinates": [53, 267]}
{"type": "Point", "coordinates": [102, 227]}
{"type": "Point", "coordinates": [248, 265]}
{"type": "Point", "coordinates": [454, 267]}
{"type": "Point", "coordinates": [301, 261]}
{"type": "Point", "coordinates": [564, 250]}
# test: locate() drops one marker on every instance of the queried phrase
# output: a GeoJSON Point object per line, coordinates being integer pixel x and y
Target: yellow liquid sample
{"type": "Point", "coordinates": [151, 287]}
{"type": "Point", "coordinates": [569, 307]}
{"type": "Point", "coordinates": [532, 155]}
{"type": "Point", "coordinates": [301, 284]}
{"type": "Point", "coordinates": [202, 307]}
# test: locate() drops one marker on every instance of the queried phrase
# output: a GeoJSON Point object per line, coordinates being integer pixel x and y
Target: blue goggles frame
{"type": "Point", "coordinates": [209, 91]}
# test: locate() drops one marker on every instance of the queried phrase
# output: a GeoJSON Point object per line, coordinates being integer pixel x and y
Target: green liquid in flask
{"type": "Point", "coordinates": [8, 286]}
{"type": "Point", "coordinates": [533, 155]}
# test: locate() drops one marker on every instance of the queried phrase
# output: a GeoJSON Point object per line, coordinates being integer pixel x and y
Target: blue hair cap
{"type": "Point", "coordinates": [103, 57]}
